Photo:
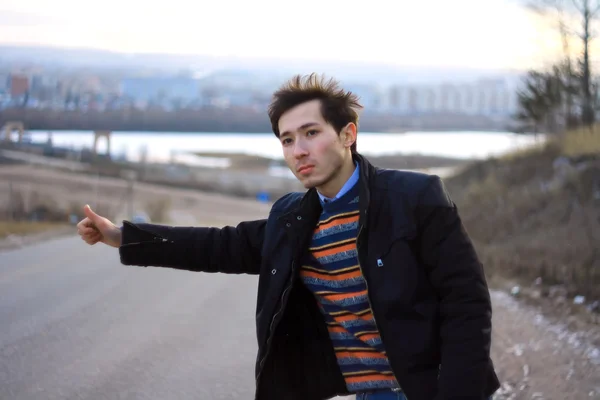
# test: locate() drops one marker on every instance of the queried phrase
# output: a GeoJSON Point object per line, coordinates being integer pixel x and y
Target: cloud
{"type": "Point", "coordinates": [19, 18]}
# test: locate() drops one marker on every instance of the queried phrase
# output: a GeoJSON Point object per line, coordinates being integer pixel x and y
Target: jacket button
{"type": "Point", "coordinates": [273, 271]}
{"type": "Point", "coordinates": [298, 217]}
{"type": "Point", "coordinates": [288, 224]}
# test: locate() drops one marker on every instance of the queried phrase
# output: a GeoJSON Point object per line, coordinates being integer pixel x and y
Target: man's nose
{"type": "Point", "coordinates": [300, 150]}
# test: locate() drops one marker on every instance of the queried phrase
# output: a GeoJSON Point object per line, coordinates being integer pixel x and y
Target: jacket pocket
{"type": "Point", "coordinates": [398, 282]}
{"type": "Point", "coordinates": [384, 254]}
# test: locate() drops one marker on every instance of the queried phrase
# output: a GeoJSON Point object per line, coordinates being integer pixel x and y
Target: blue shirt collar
{"type": "Point", "coordinates": [347, 186]}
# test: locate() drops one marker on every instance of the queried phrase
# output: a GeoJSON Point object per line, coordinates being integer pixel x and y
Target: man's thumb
{"type": "Point", "coordinates": [90, 214]}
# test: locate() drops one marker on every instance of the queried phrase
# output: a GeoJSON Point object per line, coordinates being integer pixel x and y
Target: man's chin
{"type": "Point", "coordinates": [311, 183]}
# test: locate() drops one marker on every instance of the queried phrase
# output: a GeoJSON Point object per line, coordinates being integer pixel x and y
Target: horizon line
{"type": "Point", "coordinates": [258, 58]}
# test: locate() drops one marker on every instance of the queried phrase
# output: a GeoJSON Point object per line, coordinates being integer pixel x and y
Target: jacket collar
{"type": "Point", "coordinates": [309, 208]}
{"type": "Point", "coordinates": [367, 174]}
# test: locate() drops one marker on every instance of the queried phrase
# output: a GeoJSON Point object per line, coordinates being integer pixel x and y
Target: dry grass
{"type": "Point", "coordinates": [537, 148]}
{"type": "Point", "coordinates": [581, 142]}
{"type": "Point", "coordinates": [24, 228]}
{"type": "Point", "coordinates": [575, 143]}
{"type": "Point", "coordinates": [531, 218]}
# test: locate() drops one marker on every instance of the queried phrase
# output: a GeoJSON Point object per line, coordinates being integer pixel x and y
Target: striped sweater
{"type": "Point", "coordinates": [331, 272]}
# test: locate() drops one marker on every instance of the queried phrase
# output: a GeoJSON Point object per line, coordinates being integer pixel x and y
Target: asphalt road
{"type": "Point", "coordinates": [76, 324]}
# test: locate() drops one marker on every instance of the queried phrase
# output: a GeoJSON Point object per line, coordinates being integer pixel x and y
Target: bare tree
{"type": "Point", "coordinates": [584, 12]}
{"type": "Point", "coordinates": [540, 101]}
{"type": "Point", "coordinates": [588, 10]}
{"type": "Point", "coordinates": [571, 85]}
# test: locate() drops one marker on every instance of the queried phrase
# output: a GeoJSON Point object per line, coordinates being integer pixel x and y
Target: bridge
{"type": "Point", "coordinates": [126, 120]}
{"type": "Point", "coordinates": [11, 127]}
{"type": "Point", "coordinates": [234, 119]}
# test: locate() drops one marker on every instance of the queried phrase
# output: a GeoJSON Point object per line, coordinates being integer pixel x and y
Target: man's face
{"type": "Point", "coordinates": [312, 149]}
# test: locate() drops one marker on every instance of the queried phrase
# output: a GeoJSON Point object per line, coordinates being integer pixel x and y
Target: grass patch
{"type": "Point", "coordinates": [529, 151]}
{"type": "Point", "coordinates": [575, 143]}
{"type": "Point", "coordinates": [25, 227]}
{"type": "Point", "coordinates": [581, 142]}
{"type": "Point", "coordinates": [531, 217]}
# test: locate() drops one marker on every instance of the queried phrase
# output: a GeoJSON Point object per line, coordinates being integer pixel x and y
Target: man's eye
{"type": "Point", "coordinates": [286, 141]}
{"type": "Point", "coordinates": [312, 132]}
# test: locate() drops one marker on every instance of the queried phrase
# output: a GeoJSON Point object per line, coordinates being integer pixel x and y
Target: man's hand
{"type": "Point", "coordinates": [94, 229]}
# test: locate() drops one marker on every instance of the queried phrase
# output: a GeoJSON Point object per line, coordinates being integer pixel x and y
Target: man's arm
{"type": "Point", "coordinates": [465, 307]}
{"type": "Point", "coordinates": [234, 250]}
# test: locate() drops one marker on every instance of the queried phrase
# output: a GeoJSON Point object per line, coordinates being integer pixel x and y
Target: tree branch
{"type": "Point", "coordinates": [542, 6]}
{"type": "Point", "coordinates": [595, 10]}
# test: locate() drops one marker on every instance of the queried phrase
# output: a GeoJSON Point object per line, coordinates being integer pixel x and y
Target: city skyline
{"type": "Point", "coordinates": [464, 33]}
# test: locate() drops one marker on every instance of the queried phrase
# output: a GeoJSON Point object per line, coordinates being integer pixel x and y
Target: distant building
{"type": "Point", "coordinates": [369, 95]}
{"type": "Point", "coordinates": [494, 97]}
{"type": "Point", "coordinates": [159, 89]}
{"type": "Point", "coordinates": [18, 85]}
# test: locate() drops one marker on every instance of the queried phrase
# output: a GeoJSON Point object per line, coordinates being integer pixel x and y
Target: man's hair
{"type": "Point", "coordinates": [338, 107]}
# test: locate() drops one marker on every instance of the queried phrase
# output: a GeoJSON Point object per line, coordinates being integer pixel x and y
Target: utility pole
{"type": "Point", "coordinates": [96, 184]}
{"type": "Point", "coordinates": [10, 202]}
{"type": "Point", "coordinates": [131, 176]}
{"type": "Point", "coordinates": [130, 199]}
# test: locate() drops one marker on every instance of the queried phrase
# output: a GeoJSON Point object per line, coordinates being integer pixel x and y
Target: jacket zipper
{"type": "Point", "coordinates": [262, 361]}
{"type": "Point", "coordinates": [156, 237]}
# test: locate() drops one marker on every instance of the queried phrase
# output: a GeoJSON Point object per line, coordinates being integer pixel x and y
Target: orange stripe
{"type": "Point", "coordinates": [360, 313]}
{"type": "Point", "coordinates": [332, 245]}
{"type": "Point", "coordinates": [327, 277]}
{"type": "Point", "coordinates": [366, 317]}
{"type": "Point", "coordinates": [334, 250]}
{"type": "Point", "coordinates": [340, 329]}
{"type": "Point", "coordinates": [342, 296]}
{"type": "Point", "coordinates": [359, 354]}
{"type": "Point", "coordinates": [330, 272]}
{"type": "Point", "coordinates": [369, 336]}
{"type": "Point", "coordinates": [337, 222]}
{"type": "Point", "coordinates": [342, 215]}
{"type": "Point", "coordinates": [366, 378]}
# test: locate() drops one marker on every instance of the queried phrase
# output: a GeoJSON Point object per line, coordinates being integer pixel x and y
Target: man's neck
{"type": "Point", "coordinates": [332, 188]}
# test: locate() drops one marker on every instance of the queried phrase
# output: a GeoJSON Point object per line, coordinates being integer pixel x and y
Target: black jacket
{"type": "Point", "coordinates": [429, 294]}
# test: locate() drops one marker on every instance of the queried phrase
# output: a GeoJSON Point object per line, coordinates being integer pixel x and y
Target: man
{"type": "Point", "coordinates": [369, 284]}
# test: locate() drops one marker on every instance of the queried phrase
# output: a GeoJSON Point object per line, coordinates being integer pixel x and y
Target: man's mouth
{"type": "Point", "coordinates": [305, 169]}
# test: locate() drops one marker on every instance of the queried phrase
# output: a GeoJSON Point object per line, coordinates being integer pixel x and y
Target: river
{"type": "Point", "coordinates": [161, 146]}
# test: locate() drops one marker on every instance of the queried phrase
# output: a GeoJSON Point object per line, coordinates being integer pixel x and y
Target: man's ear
{"type": "Point", "coordinates": [348, 134]}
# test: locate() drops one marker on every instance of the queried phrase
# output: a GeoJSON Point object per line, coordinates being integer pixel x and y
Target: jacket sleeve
{"type": "Point", "coordinates": [233, 250]}
{"type": "Point", "coordinates": [465, 307]}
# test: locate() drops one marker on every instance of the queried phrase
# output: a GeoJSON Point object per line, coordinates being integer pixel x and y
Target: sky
{"type": "Point", "coordinates": [458, 33]}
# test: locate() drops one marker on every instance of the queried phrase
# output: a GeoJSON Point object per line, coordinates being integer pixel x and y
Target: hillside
{"type": "Point", "coordinates": [535, 216]}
